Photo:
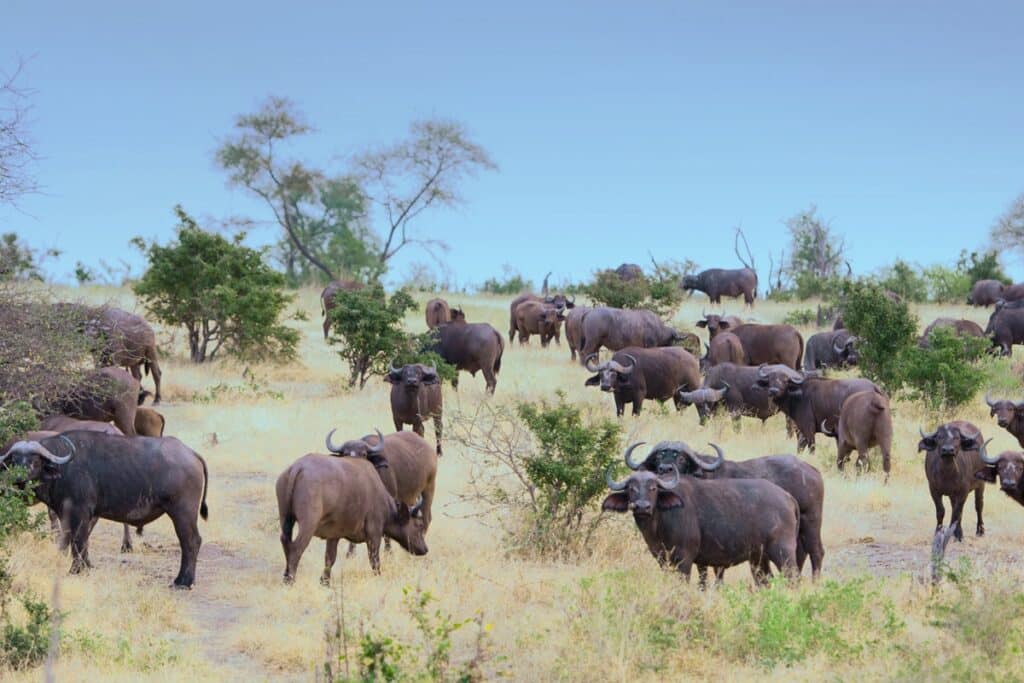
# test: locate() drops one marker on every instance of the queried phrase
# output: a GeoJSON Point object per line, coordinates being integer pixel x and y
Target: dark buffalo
{"type": "Point", "coordinates": [838, 324]}
{"type": "Point", "coordinates": [961, 328]}
{"type": "Point", "coordinates": [148, 422]}
{"type": "Point", "coordinates": [560, 302]}
{"type": "Point", "coordinates": [415, 396]}
{"type": "Point", "coordinates": [794, 476]}
{"type": "Point", "coordinates": [107, 395]}
{"type": "Point", "coordinates": [129, 342]}
{"type": "Point", "coordinates": [718, 282]}
{"type": "Point", "coordinates": [724, 348]}
{"type": "Point", "coordinates": [132, 480]}
{"type": "Point", "coordinates": [628, 272]}
{"type": "Point", "coordinates": [535, 317]}
{"type": "Point", "coordinates": [834, 349]}
{"type": "Point", "coordinates": [1006, 325]}
{"type": "Point", "coordinates": [635, 374]}
{"type": "Point", "coordinates": [473, 347]}
{"type": "Point", "coordinates": [437, 312]}
{"type": "Point", "coordinates": [574, 328]}
{"type": "Point", "coordinates": [865, 421]}
{"type": "Point", "coordinates": [335, 498]}
{"type": "Point", "coordinates": [718, 323]}
{"type": "Point", "coordinates": [1014, 292]}
{"type": "Point", "coordinates": [327, 298]}
{"type": "Point", "coordinates": [617, 328]}
{"type": "Point", "coordinates": [953, 457]}
{"type": "Point", "coordinates": [735, 387]}
{"type": "Point", "coordinates": [1009, 415]}
{"type": "Point", "coordinates": [1009, 466]}
{"type": "Point", "coordinates": [718, 523]}
{"type": "Point", "coordinates": [986, 292]}
{"type": "Point", "coordinates": [771, 344]}
{"type": "Point", "coordinates": [809, 401]}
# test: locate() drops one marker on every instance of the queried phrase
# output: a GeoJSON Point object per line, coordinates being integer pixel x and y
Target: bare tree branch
{"type": "Point", "coordinates": [17, 153]}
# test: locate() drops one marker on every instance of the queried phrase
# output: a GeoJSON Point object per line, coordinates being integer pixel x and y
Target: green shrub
{"type": "Point", "coordinates": [419, 351]}
{"type": "Point", "coordinates": [367, 326]}
{"type": "Point", "coordinates": [982, 267]}
{"type": "Point", "coordinates": [946, 373]}
{"type": "Point", "coordinates": [512, 282]}
{"type": "Point", "coordinates": [946, 285]}
{"type": "Point", "coordinates": [800, 317]}
{"type": "Point", "coordinates": [221, 291]}
{"type": "Point", "coordinates": [902, 279]}
{"type": "Point", "coordinates": [659, 292]}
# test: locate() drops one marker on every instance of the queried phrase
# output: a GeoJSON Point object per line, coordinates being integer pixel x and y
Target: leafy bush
{"type": "Point", "coordinates": [946, 285]}
{"type": "Point", "coordinates": [418, 350]}
{"type": "Point", "coordinates": [223, 292]}
{"type": "Point", "coordinates": [982, 267]}
{"type": "Point", "coordinates": [368, 328]}
{"type": "Point", "coordinates": [538, 469]}
{"type": "Point", "coordinates": [512, 282]}
{"type": "Point", "coordinates": [18, 261]}
{"type": "Point", "coordinates": [901, 278]}
{"type": "Point", "coordinates": [800, 317]}
{"type": "Point", "coordinates": [659, 292]}
{"type": "Point", "coordinates": [946, 373]}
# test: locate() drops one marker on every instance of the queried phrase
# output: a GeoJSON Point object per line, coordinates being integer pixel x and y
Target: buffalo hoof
{"type": "Point", "coordinates": [980, 531]}
{"type": "Point", "coordinates": [126, 547]}
{"type": "Point", "coordinates": [325, 581]}
{"type": "Point", "coordinates": [181, 586]}
{"type": "Point", "coordinates": [288, 580]}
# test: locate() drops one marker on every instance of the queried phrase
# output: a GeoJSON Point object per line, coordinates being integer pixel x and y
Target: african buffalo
{"type": "Point", "coordinates": [985, 292]}
{"type": "Point", "coordinates": [833, 349]}
{"type": "Point", "coordinates": [472, 347]}
{"type": "Point", "coordinates": [334, 498]}
{"type": "Point", "coordinates": [771, 344]}
{"type": "Point", "coordinates": [148, 422]}
{"type": "Point", "coordinates": [838, 323]}
{"type": "Point", "coordinates": [718, 282]}
{"type": "Point", "coordinates": [132, 480]}
{"type": "Point", "coordinates": [736, 387]}
{"type": "Point", "coordinates": [953, 456]}
{"type": "Point", "coordinates": [327, 298]}
{"type": "Point", "coordinates": [724, 348]}
{"type": "Point", "coordinates": [617, 328]}
{"type": "Point", "coordinates": [1014, 292]}
{"type": "Point", "coordinates": [794, 476]}
{"type": "Point", "coordinates": [107, 395]}
{"type": "Point", "coordinates": [437, 312]}
{"type": "Point", "coordinates": [416, 395]}
{"type": "Point", "coordinates": [865, 420]}
{"type": "Point", "coordinates": [1006, 325]}
{"type": "Point", "coordinates": [560, 302]}
{"type": "Point", "coordinates": [635, 374]}
{"type": "Point", "coordinates": [806, 400]}
{"type": "Point", "coordinates": [961, 328]}
{"type": "Point", "coordinates": [574, 328]}
{"type": "Point", "coordinates": [718, 323]}
{"type": "Point", "coordinates": [129, 342]}
{"type": "Point", "coordinates": [711, 523]}
{"type": "Point", "coordinates": [1009, 415]}
{"type": "Point", "coordinates": [1009, 466]}
{"type": "Point", "coordinates": [535, 317]}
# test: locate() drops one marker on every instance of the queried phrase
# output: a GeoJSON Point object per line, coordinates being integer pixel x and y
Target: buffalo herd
{"type": "Point", "coordinates": [101, 454]}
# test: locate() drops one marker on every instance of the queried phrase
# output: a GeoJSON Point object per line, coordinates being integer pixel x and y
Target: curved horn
{"type": "Point", "coordinates": [670, 485]}
{"type": "Point", "coordinates": [40, 450]}
{"type": "Point", "coordinates": [762, 372]}
{"type": "Point", "coordinates": [612, 484]}
{"type": "Point", "coordinates": [837, 348]}
{"type": "Point", "coordinates": [989, 401]}
{"type": "Point", "coordinates": [416, 508]}
{"type": "Point", "coordinates": [391, 368]}
{"type": "Point", "coordinates": [587, 363]}
{"type": "Point", "coordinates": [625, 370]}
{"type": "Point", "coordinates": [710, 467]}
{"type": "Point", "coordinates": [983, 452]}
{"type": "Point", "coordinates": [927, 436]}
{"type": "Point", "coordinates": [379, 448]}
{"type": "Point", "coordinates": [573, 300]}
{"type": "Point", "coordinates": [824, 428]}
{"type": "Point", "coordinates": [629, 451]}
{"type": "Point", "coordinates": [330, 446]}
{"type": "Point", "coordinates": [798, 380]}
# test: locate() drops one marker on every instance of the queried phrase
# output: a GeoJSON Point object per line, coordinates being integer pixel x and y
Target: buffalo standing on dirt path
{"type": "Point", "coordinates": [327, 298]}
{"type": "Point", "coordinates": [1009, 466]}
{"type": "Point", "coordinates": [334, 498]}
{"type": "Point", "coordinates": [954, 454]}
{"type": "Point", "coordinates": [1009, 415]}
{"type": "Point", "coordinates": [834, 349]}
{"type": "Point", "coordinates": [132, 480]}
{"type": "Point", "coordinates": [865, 421]}
{"type": "Point", "coordinates": [771, 344]}
{"type": "Point", "coordinates": [717, 523]}
{"type": "Point", "coordinates": [791, 474]}
{"type": "Point", "coordinates": [635, 374]}
{"type": "Point", "coordinates": [719, 282]}
{"type": "Point", "coordinates": [473, 347]}
{"type": "Point", "coordinates": [617, 328]}
{"type": "Point", "coordinates": [415, 396]}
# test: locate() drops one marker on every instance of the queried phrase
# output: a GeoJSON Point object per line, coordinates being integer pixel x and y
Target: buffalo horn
{"type": "Point", "coordinates": [612, 484]}
{"type": "Point", "coordinates": [709, 467]}
{"type": "Point", "coordinates": [927, 436]}
{"type": "Point", "coordinates": [587, 363]}
{"type": "Point", "coordinates": [762, 372]}
{"type": "Point", "coordinates": [379, 448]}
{"type": "Point", "coordinates": [989, 401]}
{"type": "Point", "coordinates": [837, 348]}
{"type": "Point", "coordinates": [392, 370]}
{"type": "Point", "coordinates": [40, 450]}
{"type": "Point", "coordinates": [573, 300]}
{"type": "Point", "coordinates": [985, 457]}
{"type": "Point", "coordinates": [672, 484]}
{"type": "Point", "coordinates": [629, 452]}
{"type": "Point", "coordinates": [331, 447]}
{"type": "Point", "coordinates": [416, 508]}
{"type": "Point", "coordinates": [625, 370]}
{"type": "Point", "coordinates": [824, 428]}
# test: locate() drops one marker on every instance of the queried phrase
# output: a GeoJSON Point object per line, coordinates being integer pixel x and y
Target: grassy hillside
{"type": "Point", "coordinates": [612, 616]}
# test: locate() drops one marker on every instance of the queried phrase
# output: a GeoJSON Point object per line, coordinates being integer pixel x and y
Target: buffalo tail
{"type": "Point", "coordinates": [204, 511]}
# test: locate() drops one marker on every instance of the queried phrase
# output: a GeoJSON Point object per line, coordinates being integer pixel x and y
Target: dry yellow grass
{"type": "Point", "coordinates": [241, 623]}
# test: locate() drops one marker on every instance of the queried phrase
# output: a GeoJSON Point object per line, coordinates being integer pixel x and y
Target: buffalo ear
{"type": "Point", "coordinates": [702, 323]}
{"type": "Point", "coordinates": [723, 324]}
{"type": "Point", "coordinates": [616, 502]}
{"type": "Point", "coordinates": [668, 500]}
{"type": "Point", "coordinates": [390, 379]}
{"type": "Point", "coordinates": [986, 474]}
{"type": "Point", "coordinates": [431, 379]}
{"type": "Point", "coordinates": [968, 444]}
{"type": "Point", "coordinates": [926, 445]}
{"type": "Point", "coordinates": [51, 471]}
{"type": "Point", "coordinates": [403, 515]}
{"type": "Point", "coordinates": [593, 381]}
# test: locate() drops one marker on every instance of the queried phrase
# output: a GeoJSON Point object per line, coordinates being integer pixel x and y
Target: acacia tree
{"type": "Point", "coordinates": [17, 155]}
{"type": "Point", "coordinates": [409, 177]}
{"type": "Point", "coordinates": [1008, 231]}
{"type": "Point", "coordinates": [816, 252]}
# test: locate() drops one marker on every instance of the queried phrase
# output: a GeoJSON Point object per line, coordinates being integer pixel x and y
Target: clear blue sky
{"type": "Point", "coordinates": [619, 128]}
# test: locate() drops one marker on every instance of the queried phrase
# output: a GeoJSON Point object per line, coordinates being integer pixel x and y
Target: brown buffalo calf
{"type": "Point", "coordinates": [865, 421]}
{"type": "Point", "coordinates": [148, 422]}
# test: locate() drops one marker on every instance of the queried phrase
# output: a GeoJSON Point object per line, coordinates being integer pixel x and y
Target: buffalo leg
{"type": "Point", "coordinates": [126, 540]}
{"type": "Point", "coordinates": [398, 423]}
{"type": "Point", "coordinates": [979, 503]}
{"type": "Point", "coordinates": [330, 557]}
{"type": "Point", "coordinates": [327, 325]}
{"type": "Point", "coordinates": [294, 550]}
{"type": "Point", "coordinates": [351, 549]}
{"type": "Point", "coordinates": [940, 509]}
{"type": "Point", "coordinates": [81, 527]}
{"type": "Point", "coordinates": [783, 556]}
{"type": "Point", "coordinates": [437, 432]}
{"type": "Point", "coordinates": [957, 514]}
{"type": "Point", "coordinates": [702, 576]}
{"type": "Point", "coordinates": [638, 402]}
{"type": "Point", "coordinates": [490, 379]}
{"type": "Point", "coordinates": [186, 528]}
{"type": "Point", "coordinates": [417, 427]}
{"type": "Point", "coordinates": [762, 570]}
{"type": "Point", "coordinates": [154, 369]}
{"type": "Point", "coordinates": [373, 550]}
{"type": "Point", "coordinates": [842, 455]}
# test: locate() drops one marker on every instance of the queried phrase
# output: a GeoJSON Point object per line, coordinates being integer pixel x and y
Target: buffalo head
{"type": "Point", "coordinates": [560, 302]}
{"type": "Point", "coordinates": [413, 529]}
{"type": "Point", "coordinates": [1004, 411]}
{"type": "Point", "coordinates": [412, 376]}
{"type": "Point", "coordinates": [779, 381]}
{"type": "Point", "coordinates": [611, 375]}
{"type": "Point", "coordinates": [36, 460]}
{"type": "Point", "coordinates": [844, 345]}
{"type": "Point", "coordinates": [457, 315]}
{"type": "Point", "coordinates": [360, 448]}
{"type": "Point", "coordinates": [690, 282]}
{"type": "Point", "coordinates": [1008, 465]}
{"type": "Point", "coordinates": [642, 492]}
{"type": "Point", "coordinates": [702, 396]}
{"type": "Point", "coordinates": [714, 324]}
{"type": "Point", "coordinates": [949, 442]}
{"type": "Point", "coordinates": [667, 456]}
